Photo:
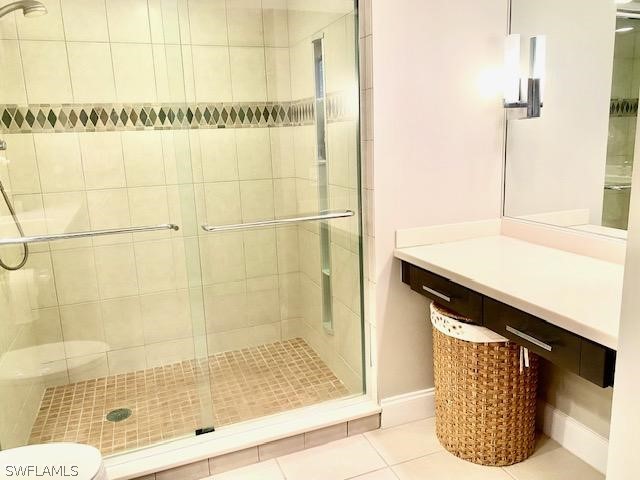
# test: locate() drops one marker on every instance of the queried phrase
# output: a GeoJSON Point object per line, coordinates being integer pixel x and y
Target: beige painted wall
{"type": "Point", "coordinates": [437, 141]}
{"type": "Point", "coordinates": [582, 400]}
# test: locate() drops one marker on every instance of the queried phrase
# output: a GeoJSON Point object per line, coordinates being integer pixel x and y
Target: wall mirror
{"type": "Point", "coordinates": [571, 166]}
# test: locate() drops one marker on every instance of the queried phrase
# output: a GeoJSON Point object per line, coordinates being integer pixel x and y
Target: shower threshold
{"type": "Point", "coordinates": [166, 403]}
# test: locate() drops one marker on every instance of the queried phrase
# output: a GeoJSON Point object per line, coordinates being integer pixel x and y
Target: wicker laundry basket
{"type": "Point", "coordinates": [485, 398]}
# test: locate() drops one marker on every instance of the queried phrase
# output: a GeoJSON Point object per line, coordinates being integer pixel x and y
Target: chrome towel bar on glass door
{"type": "Point", "coordinates": [330, 215]}
{"type": "Point", "coordinates": [94, 233]}
{"type": "Point", "coordinates": [618, 187]}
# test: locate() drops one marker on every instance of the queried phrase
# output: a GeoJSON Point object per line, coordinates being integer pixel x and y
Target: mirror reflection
{"type": "Point", "coordinates": [572, 166]}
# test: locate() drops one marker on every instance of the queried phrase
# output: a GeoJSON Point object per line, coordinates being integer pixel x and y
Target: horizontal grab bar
{"type": "Point", "coordinates": [94, 233]}
{"type": "Point", "coordinates": [280, 221]}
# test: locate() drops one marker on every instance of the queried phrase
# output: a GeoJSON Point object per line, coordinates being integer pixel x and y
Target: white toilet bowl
{"type": "Point", "coordinates": [52, 461]}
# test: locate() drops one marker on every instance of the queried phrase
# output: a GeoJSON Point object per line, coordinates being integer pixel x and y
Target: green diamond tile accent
{"type": "Point", "coordinates": [62, 118]}
{"type": "Point", "coordinates": [102, 117]}
{"type": "Point", "coordinates": [30, 118]}
{"type": "Point", "coordinates": [84, 118]}
{"type": "Point", "coordinates": [19, 119]}
{"type": "Point", "coordinates": [6, 118]}
{"type": "Point", "coordinates": [41, 118]}
{"type": "Point", "coordinates": [52, 118]}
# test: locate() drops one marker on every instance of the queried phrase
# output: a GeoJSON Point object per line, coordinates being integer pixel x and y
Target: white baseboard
{"type": "Point", "coordinates": [577, 438]}
{"type": "Point", "coordinates": [408, 407]}
{"type": "Point", "coordinates": [584, 443]}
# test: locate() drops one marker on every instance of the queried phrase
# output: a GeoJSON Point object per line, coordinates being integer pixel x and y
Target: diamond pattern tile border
{"type": "Point", "coordinates": [102, 117]}
{"type": "Point", "coordinates": [623, 107]}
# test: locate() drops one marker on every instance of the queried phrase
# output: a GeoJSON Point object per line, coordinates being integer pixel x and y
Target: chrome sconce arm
{"type": "Point", "coordinates": [533, 104]}
{"type": "Point", "coordinates": [513, 88]}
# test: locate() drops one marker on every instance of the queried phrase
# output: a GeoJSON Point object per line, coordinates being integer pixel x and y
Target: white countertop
{"type": "Point", "coordinates": [578, 293]}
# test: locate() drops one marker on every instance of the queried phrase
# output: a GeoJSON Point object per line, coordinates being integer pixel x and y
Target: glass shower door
{"type": "Point", "coordinates": [210, 115]}
{"type": "Point", "coordinates": [280, 242]}
{"type": "Point", "coordinates": [102, 334]}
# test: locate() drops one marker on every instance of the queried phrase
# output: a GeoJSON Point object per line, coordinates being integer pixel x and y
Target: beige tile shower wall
{"type": "Point", "coordinates": [20, 327]}
{"type": "Point", "coordinates": [622, 129]}
{"type": "Point", "coordinates": [135, 297]}
{"type": "Point", "coordinates": [20, 382]}
{"type": "Point", "coordinates": [625, 85]}
{"type": "Point", "coordinates": [341, 350]}
{"type": "Point", "coordinates": [365, 44]}
{"type": "Point", "coordinates": [249, 278]}
{"type": "Point", "coordinates": [247, 274]}
{"type": "Point", "coordinates": [119, 303]}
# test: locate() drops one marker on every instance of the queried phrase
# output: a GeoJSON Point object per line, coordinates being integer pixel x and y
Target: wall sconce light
{"type": "Point", "coordinates": [513, 82]}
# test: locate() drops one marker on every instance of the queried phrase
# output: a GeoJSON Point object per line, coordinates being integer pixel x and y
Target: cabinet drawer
{"type": "Point", "coordinates": [445, 292]}
{"type": "Point", "coordinates": [553, 343]}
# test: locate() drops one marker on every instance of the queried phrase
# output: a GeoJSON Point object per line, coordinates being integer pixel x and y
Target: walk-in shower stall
{"type": "Point", "coordinates": [180, 228]}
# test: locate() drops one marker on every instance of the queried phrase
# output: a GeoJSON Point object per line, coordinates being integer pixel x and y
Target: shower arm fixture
{"type": "Point", "coordinates": [30, 8]}
{"type": "Point", "coordinates": [513, 83]}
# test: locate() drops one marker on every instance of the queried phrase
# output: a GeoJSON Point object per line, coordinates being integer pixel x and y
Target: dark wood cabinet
{"type": "Point", "coordinates": [566, 349]}
{"type": "Point", "coordinates": [447, 293]}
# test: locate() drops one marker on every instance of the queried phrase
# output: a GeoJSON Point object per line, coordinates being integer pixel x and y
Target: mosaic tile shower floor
{"type": "Point", "coordinates": [166, 402]}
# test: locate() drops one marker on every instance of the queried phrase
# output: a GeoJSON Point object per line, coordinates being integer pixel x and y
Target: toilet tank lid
{"type": "Point", "coordinates": [53, 460]}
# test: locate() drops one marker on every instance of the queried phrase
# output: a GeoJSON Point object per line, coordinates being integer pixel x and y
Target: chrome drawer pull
{"type": "Point", "coordinates": [436, 293]}
{"type": "Point", "coordinates": [530, 339]}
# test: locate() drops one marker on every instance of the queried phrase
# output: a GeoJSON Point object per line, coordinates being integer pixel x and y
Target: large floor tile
{"type": "Point", "coordinates": [384, 474]}
{"type": "Point", "coordinates": [445, 466]}
{"type": "Point", "coordinates": [337, 460]}
{"type": "Point", "coordinates": [406, 442]}
{"type": "Point", "coordinates": [268, 470]}
{"type": "Point", "coordinates": [552, 462]}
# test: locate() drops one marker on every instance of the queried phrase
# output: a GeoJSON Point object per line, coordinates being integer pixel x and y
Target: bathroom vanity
{"type": "Point", "coordinates": [563, 306]}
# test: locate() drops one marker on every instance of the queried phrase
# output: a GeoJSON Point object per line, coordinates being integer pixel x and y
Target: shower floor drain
{"type": "Point", "coordinates": [118, 415]}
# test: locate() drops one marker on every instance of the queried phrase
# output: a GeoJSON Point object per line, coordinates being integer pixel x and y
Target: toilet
{"type": "Point", "coordinates": [53, 461]}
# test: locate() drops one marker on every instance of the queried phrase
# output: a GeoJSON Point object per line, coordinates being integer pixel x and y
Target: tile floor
{"type": "Point", "coordinates": [408, 452]}
{"type": "Point", "coordinates": [168, 402]}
